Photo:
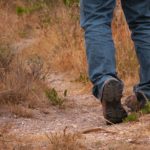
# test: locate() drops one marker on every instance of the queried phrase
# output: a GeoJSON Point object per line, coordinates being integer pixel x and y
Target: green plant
{"type": "Point", "coordinates": [70, 2]}
{"type": "Point", "coordinates": [83, 78]}
{"type": "Point", "coordinates": [53, 97]}
{"type": "Point", "coordinates": [132, 117]}
{"type": "Point", "coordinates": [146, 109]}
{"type": "Point", "coordinates": [20, 10]}
{"type": "Point", "coordinates": [135, 116]}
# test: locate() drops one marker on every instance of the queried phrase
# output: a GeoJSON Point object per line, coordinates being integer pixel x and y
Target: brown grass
{"type": "Point", "coordinates": [66, 141]}
{"type": "Point", "coordinates": [16, 83]}
{"type": "Point", "coordinates": [61, 42]}
{"type": "Point", "coordinates": [20, 111]}
{"type": "Point", "coordinates": [55, 141]}
{"type": "Point", "coordinates": [21, 85]}
{"type": "Point", "coordinates": [59, 47]}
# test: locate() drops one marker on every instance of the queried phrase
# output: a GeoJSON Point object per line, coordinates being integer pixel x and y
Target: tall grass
{"type": "Point", "coordinates": [63, 37]}
{"type": "Point", "coordinates": [60, 38]}
{"type": "Point", "coordinates": [69, 50]}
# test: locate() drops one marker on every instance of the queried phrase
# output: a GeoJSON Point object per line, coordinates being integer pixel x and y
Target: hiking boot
{"type": "Point", "coordinates": [136, 101]}
{"type": "Point", "coordinates": [111, 102]}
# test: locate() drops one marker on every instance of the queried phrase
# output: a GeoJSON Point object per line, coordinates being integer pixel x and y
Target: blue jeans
{"type": "Point", "coordinates": [96, 18]}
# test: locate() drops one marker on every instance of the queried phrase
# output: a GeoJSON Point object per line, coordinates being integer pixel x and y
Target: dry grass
{"type": "Point", "coordinates": [66, 141]}
{"type": "Point", "coordinates": [21, 85]}
{"type": "Point", "coordinates": [61, 42]}
{"type": "Point", "coordinates": [67, 51]}
{"type": "Point", "coordinates": [11, 142]}
{"type": "Point", "coordinates": [59, 47]}
{"type": "Point", "coordinates": [4, 133]}
{"type": "Point", "coordinates": [20, 111]}
{"type": "Point", "coordinates": [55, 141]}
{"type": "Point", "coordinates": [16, 83]}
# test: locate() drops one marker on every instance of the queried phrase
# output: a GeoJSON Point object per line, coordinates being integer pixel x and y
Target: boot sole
{"type": "Point", "coordinates": [111, 99]}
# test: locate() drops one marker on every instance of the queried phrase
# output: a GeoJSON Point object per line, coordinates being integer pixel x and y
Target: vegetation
{"type": "Point", "coordinates": [66, 141]}
{"type": "Point", "coordinates": [53, 97]}
{"type": "Point", "coordinates": [55, 24]}
{"type": "Point", "coordinates": [146, 109]}
{"type": "Point", "coordinates": [132, 117]}
{"type": "Point", "coordinates": [136, 115]}
{"type": "Point", "coordinates": [70, 2]}
{"type": "Point", "coordinates": [83, 78]}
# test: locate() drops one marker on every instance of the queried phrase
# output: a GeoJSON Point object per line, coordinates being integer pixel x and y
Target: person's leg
{"type": "Point", "coordinates": [137, 14]}
{"type": "Point", "coordinates": [96, 17]}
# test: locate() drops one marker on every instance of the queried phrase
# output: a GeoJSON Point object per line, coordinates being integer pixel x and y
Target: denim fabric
{"type": "Point", "coordinates": [96, 18]}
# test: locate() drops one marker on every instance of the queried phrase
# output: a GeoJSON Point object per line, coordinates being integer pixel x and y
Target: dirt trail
{"type": "Point", "coordinates": [82, 111]}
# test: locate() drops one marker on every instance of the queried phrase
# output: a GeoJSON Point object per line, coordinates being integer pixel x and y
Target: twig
{"type": "Point", "coordinates": [110, 123]}
{"type": "Point", "coordinates": [96, 130]}
{"type": "Point", "coordinates": [5, 92]}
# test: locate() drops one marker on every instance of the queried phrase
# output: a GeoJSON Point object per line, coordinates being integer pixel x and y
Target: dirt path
{"type": "Point", "coordinates": [82, 112]}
